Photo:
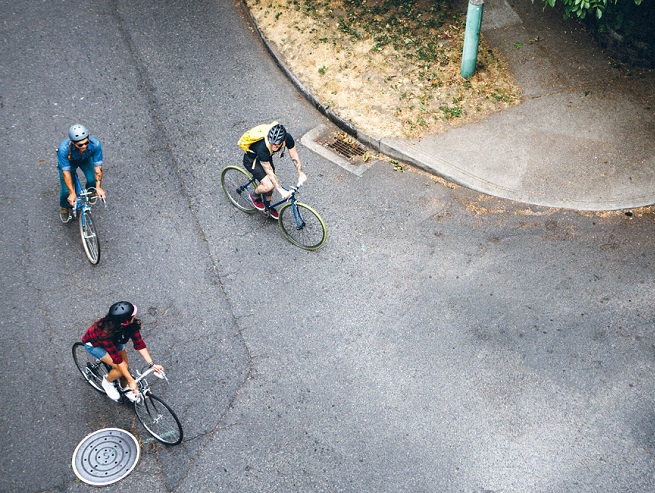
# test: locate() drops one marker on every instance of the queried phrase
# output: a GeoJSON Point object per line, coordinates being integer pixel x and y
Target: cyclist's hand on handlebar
{"type": "Point", "coordinates": [72, 198]}
{"type": "Point", "coordinates": [285, 193]}
{"type": "Point", "coordinates": [159, 370]}
{"type": "Point", "coordinates": [302, 178]}
{"type": "Point", "coordinates": [134, 387]}
{"type": "Point", "coordinates": [102, 195]}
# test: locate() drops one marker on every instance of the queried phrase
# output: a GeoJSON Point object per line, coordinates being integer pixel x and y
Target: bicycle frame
{"type": "Point", "coordinates": [296, 213]}
{"type": "Point", "coordinates": [82, 203]}
{"type": "Point", "coordinates": [143, 384]}
{"type": "Point", "coordinates": [86, 197]}
{"type": "Point", "coordinates": [299, 223]}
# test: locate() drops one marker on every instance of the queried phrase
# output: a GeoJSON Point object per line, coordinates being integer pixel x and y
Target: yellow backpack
{"type": "Point", "coordinates": [255, 134]}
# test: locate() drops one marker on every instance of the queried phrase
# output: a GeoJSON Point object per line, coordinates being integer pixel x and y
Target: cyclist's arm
{"type": "Point", "coordinates": [98, 175]}
{"type": "Point", "coordinates": [295, 159]}
{"type": "Point", "coordinates": [271, 174]}
{"type": "Point", "coordinates": [145, 354]}
{"type": "Point", "coordinates": [97, 166]}
{"type": "Point", "coordinates": [68, 180]}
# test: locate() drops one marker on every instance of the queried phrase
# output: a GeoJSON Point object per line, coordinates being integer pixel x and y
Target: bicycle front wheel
{"type": "Point", "coordinates": [89, 237]}
{"type": "Point", "coordinates": [302, 226]}
{"type": "Point", "coordinates": [234, 181]}
{"type": "Point", "coordinates": [91, 368]}
{"type": "Point", "coordinates": [159, 419]}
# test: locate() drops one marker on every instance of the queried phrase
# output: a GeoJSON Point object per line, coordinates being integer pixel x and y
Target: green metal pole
{"type": "Point", "coordinates": [472, 37]}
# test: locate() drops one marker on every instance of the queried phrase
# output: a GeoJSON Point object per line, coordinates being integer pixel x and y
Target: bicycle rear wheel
{"type": "Point", "coordinates": [302, 226]}
{"type": "Point", "coordinates": [159, 419]}
{"type": "Point", "coordinates": [233, 181]}
{"type": "Point", "coordinates": [89, 237]}
{"type": "Point", "coordinates": [91, 368]}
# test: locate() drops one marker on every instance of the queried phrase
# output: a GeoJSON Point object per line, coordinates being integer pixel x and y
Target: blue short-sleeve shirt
{"type": "Point", "coordinates": [93, 154]}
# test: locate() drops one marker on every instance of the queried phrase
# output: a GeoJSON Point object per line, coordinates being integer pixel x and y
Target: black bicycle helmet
{"type": "Point", "coordinates": [277, 134]}
{"type": "Point", "coordinates": [122, 311]}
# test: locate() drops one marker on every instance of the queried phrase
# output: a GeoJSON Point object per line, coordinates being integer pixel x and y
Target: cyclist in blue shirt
{"type": "Point", "coordinates": [79, 150]}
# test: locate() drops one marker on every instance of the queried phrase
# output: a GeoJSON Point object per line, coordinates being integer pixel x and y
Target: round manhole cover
{"type": "Point", "coordinates": [106, 456]}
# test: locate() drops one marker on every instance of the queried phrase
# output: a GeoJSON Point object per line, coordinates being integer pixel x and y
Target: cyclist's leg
{"type": "Point", "coordinates": [122, 380]}
{"type": "Point", "coordinates": [115, 372]}
{"type": "Point", "coordinates": [263, 181]}
{"type": "Point", "coordinates": [95, 351]}
{"type": "Point", "coordinates": [265, 189]}
{"type": "Point", "coordinates": [89, 173]}
{"type": "Point", "coordinates": [102, 354]}
{"type": "Point", "coordinates": [266, 186]}
{"type": "Point", "coordinates": [252, 164]}
{"type": "Point", "coordinates": [63, 194]}
{"type": "Point", "coordinates": [86, 359]}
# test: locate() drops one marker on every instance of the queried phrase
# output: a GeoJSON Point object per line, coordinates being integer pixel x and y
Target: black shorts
{"type": "Point", "coordinates": [252, 164]}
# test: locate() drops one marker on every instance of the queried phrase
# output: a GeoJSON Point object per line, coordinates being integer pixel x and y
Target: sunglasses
{"type": "Point", "coordinates": [81, 144]}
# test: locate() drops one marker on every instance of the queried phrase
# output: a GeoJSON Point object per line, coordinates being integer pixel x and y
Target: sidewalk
{"type": "Point", "coordinates": [584, 137]}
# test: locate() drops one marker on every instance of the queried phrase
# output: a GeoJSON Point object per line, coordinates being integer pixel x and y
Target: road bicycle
{"type": "Point", "coordinates": [86, 197]}
{"type": "Point", "coordinates": [300, 224]}
{"type": "Point", "coordinates": [154, 414]}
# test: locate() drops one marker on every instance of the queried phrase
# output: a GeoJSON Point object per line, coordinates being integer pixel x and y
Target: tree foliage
{"type": "Point", "coordinates": [580, 8]}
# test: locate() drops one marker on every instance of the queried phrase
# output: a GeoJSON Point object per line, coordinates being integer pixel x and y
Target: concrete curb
{"type": "Point", "coordinates": [387, 146]}
{"type": "Point", "coordinates": [454, 163]}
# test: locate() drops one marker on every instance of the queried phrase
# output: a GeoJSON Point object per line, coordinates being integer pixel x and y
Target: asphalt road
{"type": "Point", "coordinates": [440, 340]}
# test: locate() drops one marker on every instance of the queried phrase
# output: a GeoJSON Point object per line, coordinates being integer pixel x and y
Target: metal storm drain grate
{"type": "Point", "coordinates": [106, 456]}
{"type": "Point", "coordinates": [337, 146]}
{"type": "Point", "coordinates": [345, 145]}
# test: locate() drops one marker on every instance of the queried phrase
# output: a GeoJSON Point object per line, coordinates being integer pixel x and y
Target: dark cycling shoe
{"type": "Point", "coordinates": [257, 202]}
{"type": "Point", "coordinates": [273, 213]}
{"type": "Point", "coordinates": [65, 214]}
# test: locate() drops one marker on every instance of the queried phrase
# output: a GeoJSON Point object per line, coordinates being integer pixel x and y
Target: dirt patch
{"type": "Point", "coordinates": [390, 68]}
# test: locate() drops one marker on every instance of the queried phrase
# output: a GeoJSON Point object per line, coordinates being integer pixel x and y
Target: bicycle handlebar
{"type": "Point", "coordinates": [148, 372]}
{"type": "Point", "coordinates": [143, 375]}
{"type": "Point", "coordinates": [90, 191]}
{"type": "Point", "coordinates": [294, 188]}
{"type": "Point", "coordinates": [86, 192]}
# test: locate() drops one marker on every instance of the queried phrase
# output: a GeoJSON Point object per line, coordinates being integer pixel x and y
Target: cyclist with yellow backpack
{"type": "Point", "coordinates": [260, 144]}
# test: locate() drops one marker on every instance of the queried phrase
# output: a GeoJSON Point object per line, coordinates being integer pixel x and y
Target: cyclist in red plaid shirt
{"type": "Point", "coordinates": [106, 340]}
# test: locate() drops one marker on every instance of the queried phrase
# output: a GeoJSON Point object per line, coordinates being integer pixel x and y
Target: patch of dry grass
{"type": "Point", "coordinates": [391, 67]}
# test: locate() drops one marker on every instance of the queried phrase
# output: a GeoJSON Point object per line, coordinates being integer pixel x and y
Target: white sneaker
{"type": "Point", "coordinates": [111, 390]}
{"type": "Point", "coordinates": [131, 396]}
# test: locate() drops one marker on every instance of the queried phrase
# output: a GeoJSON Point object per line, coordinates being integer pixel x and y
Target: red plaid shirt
{"type": "Point", "coordinates": [96, 337]}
